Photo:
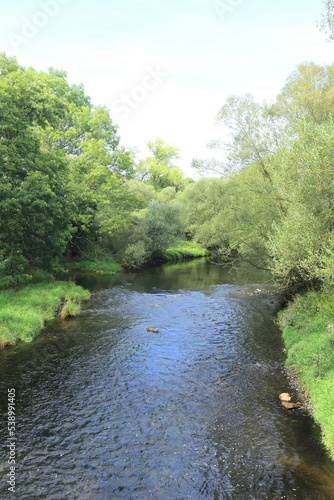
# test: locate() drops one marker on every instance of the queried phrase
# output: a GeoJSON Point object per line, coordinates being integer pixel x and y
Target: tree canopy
{"type": "Point", "coordinates": [68, 188]}
{"type": "Point", "coordinates": [62, 171]}
{"type": "Point", "coordinates": [275, 207]}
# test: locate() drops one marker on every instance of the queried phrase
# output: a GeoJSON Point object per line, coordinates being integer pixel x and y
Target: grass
{"type": "Point", "coordinates": [23, 312]}
{"type": "Point", "coordinates": [185, 250]}
{"type": "Point", "coordinates": [98, 265]}
{"type": "Point", "coordinates": [308, 332]}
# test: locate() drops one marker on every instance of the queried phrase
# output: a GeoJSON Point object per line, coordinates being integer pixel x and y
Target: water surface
{"type": "Point", "coordinates": [107, 410]}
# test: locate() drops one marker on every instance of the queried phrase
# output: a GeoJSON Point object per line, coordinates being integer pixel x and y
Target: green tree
{"type": "Point", "coordinates": [276, 209]}
{"type": "Point", "coordinates": [63, 174]}
{"type": "Point", "coordinates": [34, 210]}
{"type": "Point", "coordinates": [301, 241]}
{"type": "Point", "coordinates": [98, 168]}
{"type": "Point", "coordinates": [308, 95]}
{"type": "Point", "coordinates": [163, 225]}
{"type": "Point", "coordinates": [158, 169]}
{"type": "Point", "coordinates": [150, 232]}
{"type": "Point", "coordinates": [255, 134]}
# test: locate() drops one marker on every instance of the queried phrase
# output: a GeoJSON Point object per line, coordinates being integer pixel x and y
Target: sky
{"type": "Point", "coordinates": [164, 68]}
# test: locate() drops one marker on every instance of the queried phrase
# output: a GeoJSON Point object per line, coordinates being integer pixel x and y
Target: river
{"type": "Point", "coordinates": [106, 410]}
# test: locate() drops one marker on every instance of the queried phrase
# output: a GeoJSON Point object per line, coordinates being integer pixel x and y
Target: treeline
{"type": "Point", "coordinates": [68, 190]}
{"type": "Point", "coordinates": [274, 204]}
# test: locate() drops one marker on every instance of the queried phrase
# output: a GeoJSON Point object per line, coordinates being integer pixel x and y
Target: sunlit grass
{"type": "Point", "coordinates": [308, 331]}
{"type": "Point", "coordinates": [24, 311]}
{"type": "Point", "coordinates": [185, 249]}
{"type": "Point", "coordinates": [98, 265]}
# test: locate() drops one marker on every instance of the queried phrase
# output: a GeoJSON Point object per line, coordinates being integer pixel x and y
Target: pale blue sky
{"type": "Point", "coordinates": [164, 67]}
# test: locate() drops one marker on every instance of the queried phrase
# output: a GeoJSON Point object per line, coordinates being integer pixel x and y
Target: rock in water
{"type": "Point", "coordinates": [152, 330]}
{"type": "Point", "coordinates": [290, 406]}
{"type": "Point", "coordinates": [285, 396]}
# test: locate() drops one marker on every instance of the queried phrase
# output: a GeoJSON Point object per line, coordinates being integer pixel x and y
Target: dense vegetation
{"type": "Point", "coordinates": [69, 191]}
{"type": "Point", "coordinates": [275, 208]}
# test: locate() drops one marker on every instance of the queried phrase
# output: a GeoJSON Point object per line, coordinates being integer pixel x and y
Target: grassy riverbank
{"type": "Point", "coordinates": [24, 311]}
{"type": "Point", "coordinates": [98, 265]}
{"type": "Point", "coordinates": [308, 332]}
{"type": "Point", "coordinates": [185, 250]}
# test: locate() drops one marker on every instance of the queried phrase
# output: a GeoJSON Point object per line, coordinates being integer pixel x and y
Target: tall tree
{"type": "Point", "coordinates": [254, 134]}
{"type": "Point", "coordinates": [62, 172]}
{"type": "Point", "coordinates": [34, 213]}
{"type": "Point", "coordinates": [158, 168]}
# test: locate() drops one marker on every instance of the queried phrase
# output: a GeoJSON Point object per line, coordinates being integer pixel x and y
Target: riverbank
{"type": "Point", "coordinates": [184, 250]}
{"type": "Point", "coordinates": [98, 265]}
{"type": "Point", "coordinates": [24, 311]}
{"type": "Point", "coordinates": [308, 332]}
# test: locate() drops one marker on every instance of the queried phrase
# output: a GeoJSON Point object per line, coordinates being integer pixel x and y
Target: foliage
{"type": "Point", "coordinates": [158, 169]}
{"type": "Point", "coordinates": [135, 255]}
{"type": "Point", "coordinates": [234, 213]}
{"type": "Point", "coordinates": [62, 176]}
{"type": "Point", "coordinates": [275, 209]}
{"type": "Point", "coordinates": [327, 22]}
{"type": "Point", "coordinates": [24, 311]}
{"type": "Point", "coordinates": [308, 95]}
{"type": "Point", "coordinates": [308, 332]}
{"type": "Point", "coordinates": [149, 234]}
{"type": "Point", "coordinates": [35, 220]}
{"type": "Point", "coordinates": [163, 226]}
{"type": "Point", "coordinates": [301, 241]}
{"type": "Point", "coordinates": [255, 133]}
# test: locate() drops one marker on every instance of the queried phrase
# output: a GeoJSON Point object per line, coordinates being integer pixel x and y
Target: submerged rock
{"type": "Point", "coordinates": [285, 396]}
{"type": "Point", "coordinates": [290, 406]}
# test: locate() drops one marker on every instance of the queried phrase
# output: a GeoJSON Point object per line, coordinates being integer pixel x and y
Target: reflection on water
{"type": "Point", "coordinates": [198, 274]}
{"type": "Point", "coordinates": [107, 410]}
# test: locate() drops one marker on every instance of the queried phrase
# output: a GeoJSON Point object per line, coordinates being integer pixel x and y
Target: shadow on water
{"type": "Point", "coordinates": [107, 410]}
{"type": "Point", "coordinates": [197, 274]}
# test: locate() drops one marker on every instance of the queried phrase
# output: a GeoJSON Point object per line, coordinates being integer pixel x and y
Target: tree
{"type": "Point", "coordinates": [34, 210]}
{"type": "Point", "coordinates": [276, 208]}
{"type": "Point", "coordinates": [163, 225]}
{"type": "Point", "coordinates": [301, 240]}
{"type": "Point", "coordinates": [97, 168]}
{"type": "Point", "coordinates": [255, 132]}
{"type": "Point", "coordinates": [63, 174]}
{"type": "Point", "coordinates": [308, 94]}
{"type": "Point", "coordinates": [158, 169]}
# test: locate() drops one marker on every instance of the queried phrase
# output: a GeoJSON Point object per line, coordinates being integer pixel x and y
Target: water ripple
{"type": "Point", "coordinates": [191, 412]}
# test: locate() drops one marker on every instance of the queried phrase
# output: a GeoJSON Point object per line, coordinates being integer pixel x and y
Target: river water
{"type": "Point", "coordinates": [107, 410]}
